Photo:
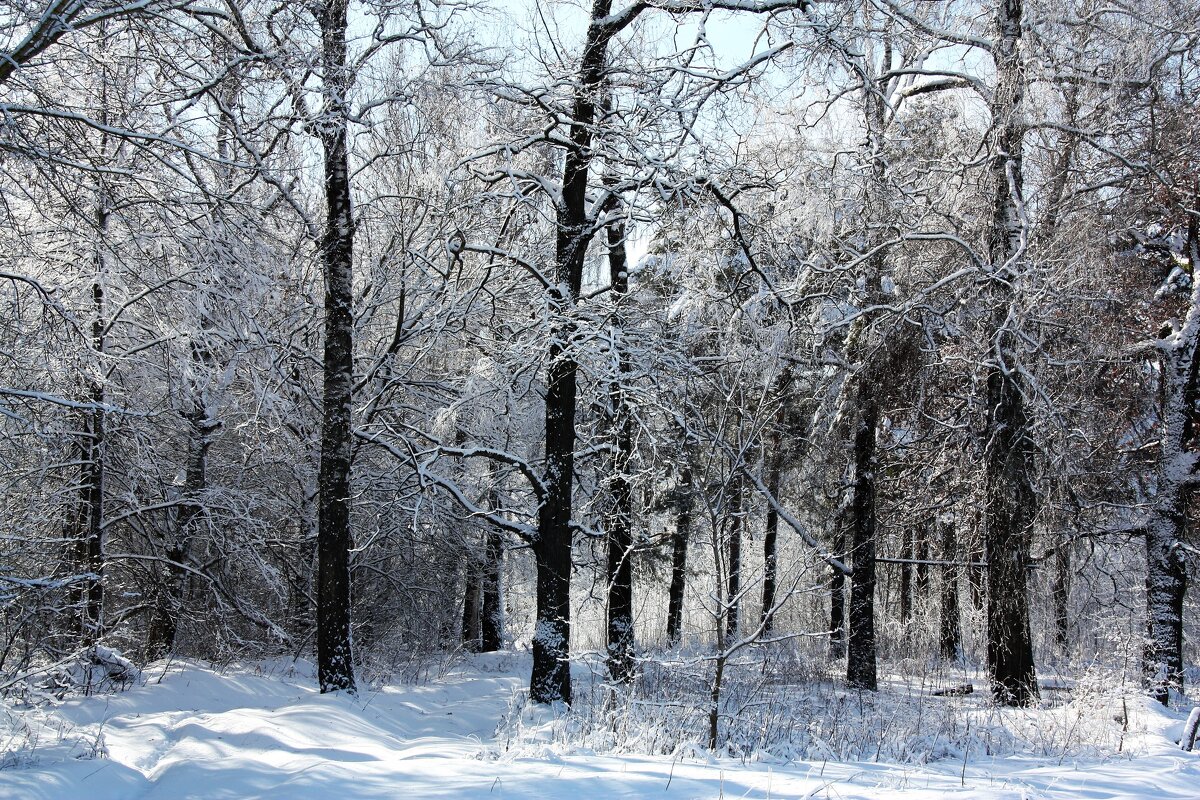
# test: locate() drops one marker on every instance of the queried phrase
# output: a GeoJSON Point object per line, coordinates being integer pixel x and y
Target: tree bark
{"type": "Point", "coordinates": [335, 668]}
{"type": "Point", "coordinates": [621, 643]}
{"type": "Point", "coordinates": [1166, 586]}
{"type": "Point", "coordinates": [860, 654]}
{"type": "Point", "coordinates": [837, 600]}
{"type": "Point", "coordinates": [88, 598]}
{"type": "Point", "coordinates": [950, 638]}
{"type": "Point", "coordinates": [1061, 596]}
{"type": "Point", "coordinates": [472, 617]}
{"type": "Point", "coordinates": [1166, 573]}
{"type": "Point", "coordinates": [867, 385]}
{"type": "Point", "coordinates": [771, 532]}
{"type": "Point", "coordinates": [906, 552]}
{"type": "Point", "coordinates": [550, 680]}
{"type": "Point", "coordinates": [492, 614]}
{"type": "Point", "coordinates": [734, 561]}
{"type": "Point", "coordinates": [1010, 503]}
{"type": "Point", "coordinates": [164, 620]}
{"type": "Point", "coordinates": [1009, 500]}
{"type": "Point", "coordinates": [921, 549]}
{"type": "Point", "coordinates": [679, 548]}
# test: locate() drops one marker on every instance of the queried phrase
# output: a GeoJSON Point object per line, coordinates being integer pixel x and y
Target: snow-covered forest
{"type": "Point", "coordinates": [749, 384]}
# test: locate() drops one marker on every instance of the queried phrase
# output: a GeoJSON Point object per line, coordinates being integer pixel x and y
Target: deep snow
{"type": "Point", "coordinates": [191, 732]}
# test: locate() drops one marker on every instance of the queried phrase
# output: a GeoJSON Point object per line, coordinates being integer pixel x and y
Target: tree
{"type": "Point", "coordinates": [620, 521]}
{"type": "Point", "coordinates": [334, 651]}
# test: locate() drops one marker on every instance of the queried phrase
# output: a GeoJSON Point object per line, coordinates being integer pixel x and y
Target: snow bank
{"type": "Point", "coordinates": [191, 732]}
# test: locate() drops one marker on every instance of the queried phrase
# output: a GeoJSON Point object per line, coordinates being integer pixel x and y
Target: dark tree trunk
{"type": "Point", "coordinates": [620, 520]}
{"type": "Point", "coordinates": [89, 599]}
{"type": "Point", "coordinates": [975, 576]}
{"type": "Point", "coordinates": [921, 551]}
{"type": "Point", "coordinates": [1009, 499]}
{"type": "Point", "coordinates": [734, 561]}
{"type": "Point", "coordinates": [867, 385]}
{"type": "Point", "coordinates": [1061, 596]}
{"type": "Point", "coordinates": [837, 599]}
{"type": "Point", "coordinates": [492, 615]}
{"type": "Point", "coordinates": [771, 535]}
{"type": "Point", "coordinates": [679, 548]}
{"type": "Point", "coordinates": [906, 553]}
{"type": "Point", "coordinates": [774, 478]}
{"type": "Point", "coordinates": [860, 653]}
{"type": "Point", "coordinates": [714, 699]}
{"type": "Point", "coordinates": [335, 665]}
{"type": "Point", "coordinates": [472, 617]}
{"type": "Point", "coordinates": [1010, 505]}
{"type": "Point", "coordinates": [93, 626]}
{"type": "Point", "coordinates": [75, 558]}
{"type": "Point", "coordinates": [950, 639]}
{"type": "Point", "coordinates": [550, 679]}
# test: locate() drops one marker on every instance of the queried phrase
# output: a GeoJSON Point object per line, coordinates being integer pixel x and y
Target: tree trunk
{"type": "Point", "coordinates": [1010, 504]}
{"type": "Point", "coordinates": [550, 679]}
{"type": "Point", "coordinates": [335, 667]}
{"type": "Point", "coordinates": [679, 548]}
{"type": "Point", "coordinates": [472, 617]}
{"type": "Point", "coordinates": [1166, 574]}
{"type": "Point", "coordinates": [169, 597]}
{"type": "Point", "coordinates": [94, 612]}
{"type": "Point", "coordinates": [921, 550]}
{"type": "Point", "coordinates": [837, 600]}
{"type": "Point", "coordinates": [906, 553]}
{"type": "Point", "coordinates": [775, 452]}
{"type": "Point", "coordinates": [89, 599]}
{"type": "Point", "coordinates": [1009, 499]}
{"type": "Point", "coordinates": [714, 697]}
{"type": "Point", "coordinates": [1061, 595]}
{"type": "Point", "coordinates": [1166, 586]}
{"type": "Point", "coordinates": [950, 638]}
{"type": "Point", "coordinates": [92, 546]}
{"type": "Point", "coordinates": [867, 384]}
{"type": "Point", "coordinates": [1167, 582]}
{"type": "Point", "coordinates": [771, 534]}
{"type": "Point", "coordinates": [734, 561]}
{"type": "Point", "coordinates": [860, 654]}
{"type": "Point", "coordinates": [620, 520]}
{"type": "Point", "coordinates": [492, 614]}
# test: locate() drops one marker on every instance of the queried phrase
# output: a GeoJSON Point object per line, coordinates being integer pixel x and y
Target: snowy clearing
{"type": "Point", "coordinates": [243, 733]}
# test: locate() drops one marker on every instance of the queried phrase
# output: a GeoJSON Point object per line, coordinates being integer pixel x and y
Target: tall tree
{"type": "Point", "coordinates": [335, 661]}
{"type": "Point", "coordinates": [1166, 525]}
{"type": "Point", "coordinates": [621, 664]}
{"type": "Point", "coordinates": [1010, 501]}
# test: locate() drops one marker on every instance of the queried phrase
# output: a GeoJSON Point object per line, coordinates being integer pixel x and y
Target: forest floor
{"type": "Point", "coordinates": [192, 732]}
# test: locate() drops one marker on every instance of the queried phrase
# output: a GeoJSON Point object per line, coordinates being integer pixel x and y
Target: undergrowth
{"type": "Point", "coordinates": [783, 710]}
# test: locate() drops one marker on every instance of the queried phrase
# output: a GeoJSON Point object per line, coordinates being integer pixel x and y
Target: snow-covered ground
{"type": "Point", "coordinates": [196, 733]}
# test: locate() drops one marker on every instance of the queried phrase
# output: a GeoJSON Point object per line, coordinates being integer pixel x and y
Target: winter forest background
{"type": "Point", "coordinates": [723, 345]}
